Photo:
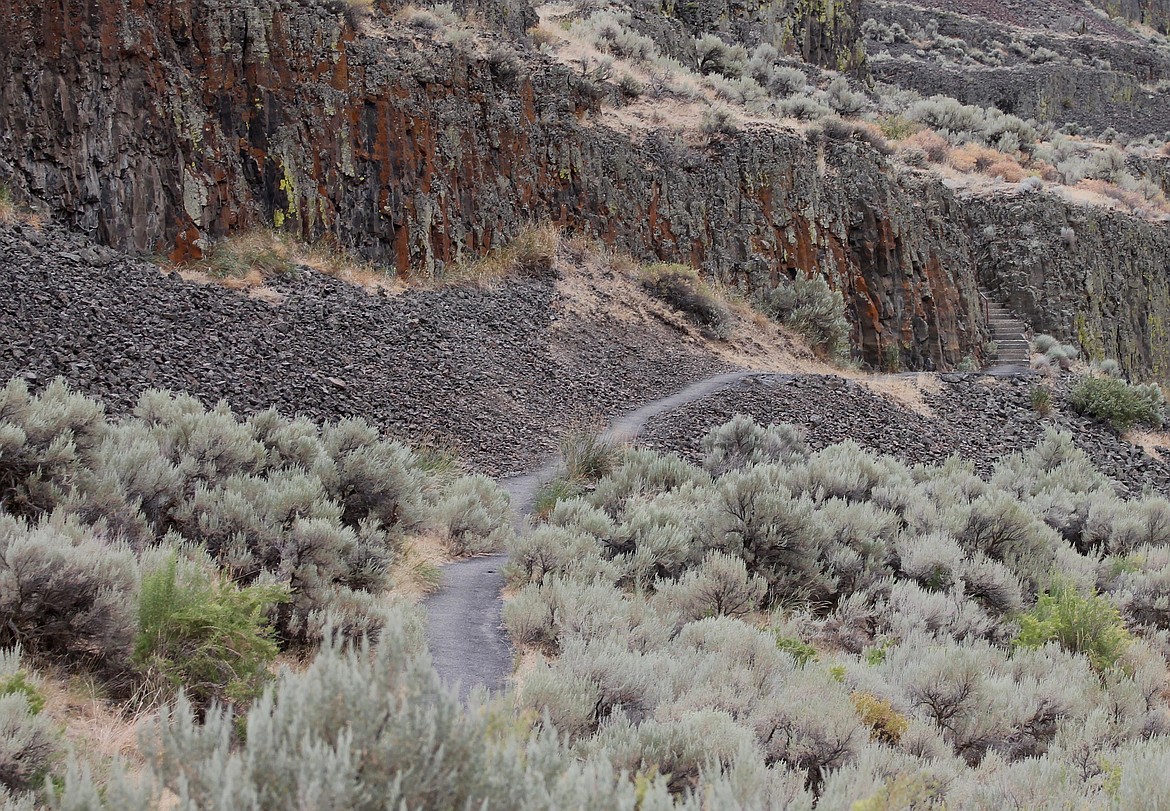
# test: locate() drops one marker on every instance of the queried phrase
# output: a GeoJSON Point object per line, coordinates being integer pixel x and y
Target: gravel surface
{"type": "Point", "coordinates": [979, 417]}
{"type": "Point", "coordinates": [497, 373]}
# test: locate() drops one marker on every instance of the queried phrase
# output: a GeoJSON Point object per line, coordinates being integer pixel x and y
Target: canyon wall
{"type": "Point", "coordinates": [159, 126]}
{"type": "Point", "coordinates": [187, 119]}
{"type": "Point", "coordinates": [1097, 277]}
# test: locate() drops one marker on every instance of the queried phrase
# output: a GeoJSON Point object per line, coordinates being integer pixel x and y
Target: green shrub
{"type": "Point", "coordinates": [1118, 403]}
{"type": "Point", "coordinates": [813, 309]}
{"type": "Point", "coordinates": [742, 442]}
{"type": "Point", "coordinates": [1043, 343]}
{"type": "Point", "coordinates": [718, 121]}
{"type": "Point", "coordinates": [202, 634]}
{"type": "Point", "coordinates": [367, 728]}
{"type": "Point", "coordinates": [716, 56]}
{"type": "Point", "coordinates": [896, 128]}
{"type": "Point", "coordinates": [1041, 400]}
{"type": "Point", "coordinates": [844, 99]}
{"type": "Point", "coordinates": [18, 684]}
{"type": "Point", "coordinates": [1082, 624]}
{"type": "Point", "coordinates": [681, 288]}
{"type": "Point", "coordinates": [26, 744]}
{"type": "Point", "coordinates": [554, 491]}
{"type": "Point", "coordinates": [719, 586]}
{"type": "Point", "coordinates": [475, 516]}
{"type": "Point", "coordinates": [801, 652]}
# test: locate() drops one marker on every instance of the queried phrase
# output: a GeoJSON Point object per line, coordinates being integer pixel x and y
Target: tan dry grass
{"type": "Point", "coordinates": [11, 213]}
{"type": "Point", "coordinates": [528, 661]}
{"type": "Point", "coordinates": [1156, 444]}
{"type": "Point", "coordinates": [934, 146]}
{"type": "Point", "coordinates": [416, 572]}
{"type": "Point", "coordinates": [908, 392]}
{"type": "Point", "coordinates": [970, 158]}
{"type": "Point", "coordinates": [96, 729]}
{"type": "Point", "coordinates": [532, 252]}
{"type": "Point", "coordinates": [597, 283]}
{"type": "Point", "coordinates": [246, 261]}
{"type": "Point", "coordinates": [8, 212]}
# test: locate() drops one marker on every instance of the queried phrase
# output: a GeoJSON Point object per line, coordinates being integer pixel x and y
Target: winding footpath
{"type": "Point", "coordinates": [465, 632]}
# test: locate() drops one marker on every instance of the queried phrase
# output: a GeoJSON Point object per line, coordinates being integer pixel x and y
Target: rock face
{"type": "Point", "coordinates": [192, 118]}
{"type": "Point", "coordinates": [185, 120]}
{"type": "Point", "coordinates": [1101, 278]}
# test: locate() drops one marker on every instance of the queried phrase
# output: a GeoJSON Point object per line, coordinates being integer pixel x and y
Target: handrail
{"type": "Point", "coordinates": [986, 305]}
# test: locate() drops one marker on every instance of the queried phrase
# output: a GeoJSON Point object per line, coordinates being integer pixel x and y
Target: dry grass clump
{"type": "Point", "coordinates": [682, 288]}
{"type": "Point", "coordinates": [1007, 169]}
{"type": "Point", "coordinates": [11, 213]}
{"type": "Point", "coordinates": [973, 158]}
{"type": "Point", "coordinates": [1133, 200]}
{"type": "Point", "coordinates": [930, 144]}
{"type": "Point", "coordinates": [250, 257]}
{"type": "Point", "coordinates": [8, 213]}
{"type": "Point", "coordinates": [532, 253]}
{"type": "Point", "coordinates": [246, 261]}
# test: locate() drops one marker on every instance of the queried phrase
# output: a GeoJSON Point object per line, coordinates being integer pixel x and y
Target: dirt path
{"type": "Point", "coordinates": [465, 632]}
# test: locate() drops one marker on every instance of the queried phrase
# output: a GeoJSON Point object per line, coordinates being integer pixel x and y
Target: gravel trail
{"type": "Point", "coordinates": [465, 630]}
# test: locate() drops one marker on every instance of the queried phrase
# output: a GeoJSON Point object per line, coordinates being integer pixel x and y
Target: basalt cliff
{"type": "Point", "coordinates": [160, 127]}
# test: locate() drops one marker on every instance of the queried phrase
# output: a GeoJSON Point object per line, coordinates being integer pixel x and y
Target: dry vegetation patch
{"type": "Point", "coordinates": [96, 728]}
{"type": "Point", "coordinates": [250, 260]}
{"type": "Point", "coordinates": [1154, 443]}
{"type": "Point", "coordinates": [417, 572]}
{"type": "Point", "coordinates": [906, 390]}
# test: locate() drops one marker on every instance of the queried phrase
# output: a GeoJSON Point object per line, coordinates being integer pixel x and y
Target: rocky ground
{"type": "Point", "coordinates": [1057, 15]}
{"type": "Point", "coordinates": [498, 373]}
{"type": "Point", "coordinates": [978, 417]}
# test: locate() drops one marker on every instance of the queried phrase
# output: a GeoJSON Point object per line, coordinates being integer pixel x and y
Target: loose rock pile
{"type": "Point", "coordinates": [977, 417]}
{"type": "Point", "coordinates": [499, 373]}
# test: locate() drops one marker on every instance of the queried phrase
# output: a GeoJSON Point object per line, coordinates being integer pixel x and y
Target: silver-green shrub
{"type": "Point", "coordinates": [27, 740]}
{"type": "Point", "coordinates": [743, 442]}
{"type": "Point", "coordinates": [65, 594]}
